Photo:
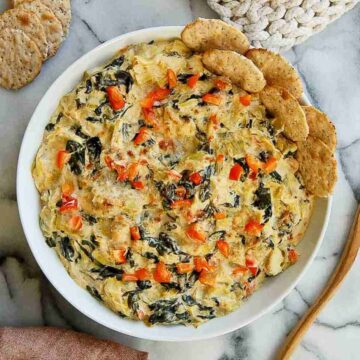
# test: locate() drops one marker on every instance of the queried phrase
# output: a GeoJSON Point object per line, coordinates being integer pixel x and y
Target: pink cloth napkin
{"type": "Point", "coordinates": [48, 343]}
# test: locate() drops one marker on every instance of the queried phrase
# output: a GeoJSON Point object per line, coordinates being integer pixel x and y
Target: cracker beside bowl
{"type": "Point", "coordinates": [61, 9]}
{"type": "Point", "coordinates": [52, 26]}
{"type": "Point", "coordinates": [45, 23]}
{"type": "Point", "coordinates": [23, 20]}
{"type": "Point", "coordinates": [20, 59]}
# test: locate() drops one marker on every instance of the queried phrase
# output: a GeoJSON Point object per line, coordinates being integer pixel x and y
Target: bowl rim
{"type": "Point", "coordinates": [23, 168]}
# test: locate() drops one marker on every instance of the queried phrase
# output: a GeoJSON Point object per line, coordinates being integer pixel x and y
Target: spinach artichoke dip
{"type": "Point", "coordinates": [168, 192]}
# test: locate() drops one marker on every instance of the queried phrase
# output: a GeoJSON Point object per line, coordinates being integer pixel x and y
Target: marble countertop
{"type": "Point", "coordinates": [330, 66]}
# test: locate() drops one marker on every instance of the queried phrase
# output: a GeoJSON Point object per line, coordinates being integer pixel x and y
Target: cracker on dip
{"type": "Point", "coordinates": [204, 34]}
{"type": "Point", "coordinates": [52, 26]}
{"type": "Point", "coordinates": [20, 59]}
{"type": "Point", "coordinates": [317, 166]}
{"type": "Point", "coordinates": [277, 71]}
{"type": "Point", "coordinates": [320, 126]}
{"type": "Point", "coordinates": [29, 23]}
{"type": "Point", "coordinates": [288, 110]}
{"type": "Point", "coordinates": [236, 67]}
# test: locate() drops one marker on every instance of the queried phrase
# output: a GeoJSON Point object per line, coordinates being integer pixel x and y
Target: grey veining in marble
{"type": "Point", "coordinates": [330, 66]}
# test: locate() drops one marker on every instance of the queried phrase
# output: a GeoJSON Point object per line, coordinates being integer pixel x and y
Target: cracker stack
{"type": "Point", "coordinates": [263, 73]}
{"type": "Point", "coordinates": [30, 33]}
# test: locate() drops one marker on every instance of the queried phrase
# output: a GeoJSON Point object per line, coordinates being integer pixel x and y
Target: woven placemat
{"type": "Point", "coordinates": [280, 24]}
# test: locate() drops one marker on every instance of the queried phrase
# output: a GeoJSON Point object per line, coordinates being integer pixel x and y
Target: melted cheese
{"type": "Point", "coordinates": [104, 172]}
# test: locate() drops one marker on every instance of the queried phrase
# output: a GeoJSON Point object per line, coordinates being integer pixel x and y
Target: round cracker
{"type": "Point", "coordinates": [205, 34]}
{"type": "Point", "coordinates": [236, 67]}
{"type": "Point", "coordinates": [28, 22]}
{"type": "Point", "coordinates": [288, 110]}
{"type": "Point", "coordinates": [320, 126]}
{"type": "Point", "coordinates": [277, 71]}
{"type": "Point", "coordinates": [52, 26]}
{"type": "Point", "coordinates": [20, 59]}
{"type": "Point", "coordinates": [60, 8]}
{"type": "Point", "coordinates": [317, 166]}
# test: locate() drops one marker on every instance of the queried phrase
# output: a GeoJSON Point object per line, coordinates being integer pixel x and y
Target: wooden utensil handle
{"type": "Point", "coordinates": [347, 258]}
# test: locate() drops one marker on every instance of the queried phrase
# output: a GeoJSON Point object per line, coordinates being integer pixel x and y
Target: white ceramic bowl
{"type": "Point", "coordinates": [271, 293]}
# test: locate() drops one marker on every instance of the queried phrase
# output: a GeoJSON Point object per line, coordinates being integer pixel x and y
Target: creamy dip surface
{"type": "Point", "coordinates": [168, 193]}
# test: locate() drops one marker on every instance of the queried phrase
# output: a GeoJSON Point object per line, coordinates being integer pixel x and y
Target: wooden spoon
{"type": "Point", "coordinates": [347, 258]}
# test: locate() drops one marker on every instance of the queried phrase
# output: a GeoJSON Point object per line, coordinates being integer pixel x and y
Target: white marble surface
{"type": "Point", "coordinates": [330, 66]}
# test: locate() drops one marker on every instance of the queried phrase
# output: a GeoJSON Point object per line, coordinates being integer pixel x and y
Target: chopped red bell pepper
{"type": "Point", "coordinates": [141, 136]}
{"type": "Point", "coordinates": [147, 103]}
{"type": "Point", "coordinates": [138, 185]}
{"type": "Point", "coordinates": [253, 270]}
{"type": "Point", "coordinates": [129, 277]}
{"type": "Point", "coordinates": [62, 158]}
{"type": "Point", "coordinates": [253, 175]}
{"type": "Point", "coordinates": [171, 78]}
{"type": "Point", "coordinates": [161, 273]}
{"type": "Point", "coordinates": [235, 172]}
{"type": "Point", "coordinates": [207, 278]}
{"type": "Point", "coordinates": [122, 174]}
{"type": "Point", "coordinates": [68, 203]}
{"type": "Point", "coordinates": [159, 94]}
{"type": "Point", "coordinates": [253, 227]}
{"type": "Point", "coordinates": [116, 100]}
{"type": "Point", "coordinates": [251, 264]}
{"type": "Point", "coordinates": [245, 100]}
{"type": "Point", "coordinates": [183, 268]}
{"type": "Point", "coordinates": [214, 120]}
{"type": "Point", "coordinates": [195, 178]}
{"type": "Point", "coordinates": [75, 222]}
{"type": "Point", "coordinates": [181, 203]}
{"type": "Point", "coordinates": [132, 171]}
{"type": "Point", "coordinates": [135, 233]}
{"type": "Point", "coordinates": [142, 274]}
{"type": "Point", "coordinates": [192, 80]}
{"type": "Point", "coordinates": [219, 216]}
{"type": "Point", "coordinates": [270, 165]}
{"type": "Point", "coordinates": [239, 269]}
{"type": "Point", "coordinates": [212, 99]}
{"type": "Point", "coordinates": [120, 256]}
{"type": "Point", "coordinates": [149, 115]}
{"type": "Point", "coordinates": [109, 162]}
{"type": "Point", "coordinates": [195, 234]}
{"type": "Point", "coordinates": [201, 264]}
{"type": "Point", "coordinates": [223, 247]}
{"type": "Point", "coordinates": [293, 255]}
{"type": "Point", "coordinates": [249, 261]}
{"type": "Point", "coordinates": [254, 164]}
{"type": "Point", "coordinates": [220, 158]}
